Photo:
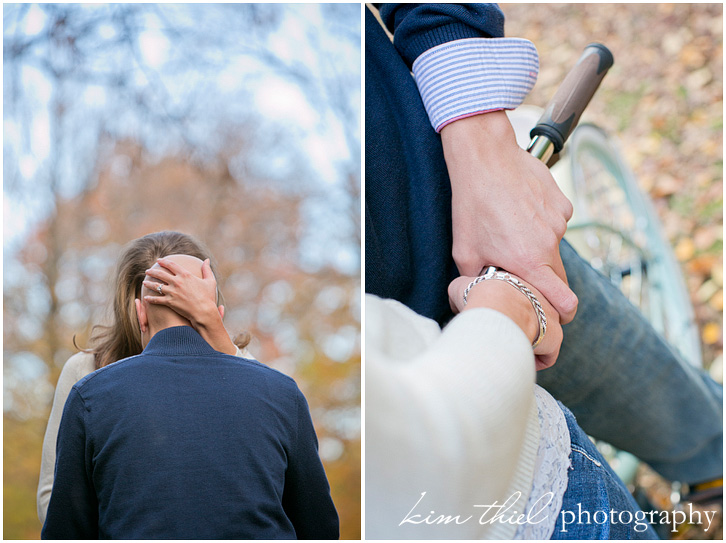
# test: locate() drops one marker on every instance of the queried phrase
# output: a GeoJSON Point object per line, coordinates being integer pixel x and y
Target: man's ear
{"type": "Point", "coordinates": [141, 315]}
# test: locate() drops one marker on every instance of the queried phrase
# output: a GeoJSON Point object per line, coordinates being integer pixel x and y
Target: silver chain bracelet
{"type": "Point", "coordinates": [494, 273]}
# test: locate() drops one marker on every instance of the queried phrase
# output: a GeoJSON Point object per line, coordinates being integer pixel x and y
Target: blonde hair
{"type": "Point", "coordinates": [122, 338]}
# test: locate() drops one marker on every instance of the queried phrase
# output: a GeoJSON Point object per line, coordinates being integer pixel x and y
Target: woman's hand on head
{"type": "Point", "coordinates": [508, 300]}
{"type": "Point", "coordinates": [192, 297]}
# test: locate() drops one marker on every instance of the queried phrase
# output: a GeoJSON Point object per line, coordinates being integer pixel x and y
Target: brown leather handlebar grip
{"type": "Point", "coordinates": [562, 113]}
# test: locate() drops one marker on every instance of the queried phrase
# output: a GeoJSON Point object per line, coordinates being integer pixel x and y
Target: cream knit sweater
{"type": "Point", "coordinates": [451, 414]}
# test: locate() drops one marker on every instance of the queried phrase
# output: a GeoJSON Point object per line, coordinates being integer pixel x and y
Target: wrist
{"type": "Point", "coordinates": [206, 317]}
{"type": "Point", "coordinates": [505, 299]}
{"type": "Point", "coordinates": [484, 132]}
{"type": "Point", "coordinates": [478, 149]}
{"type": "Point", "coordinates": [210, 326]}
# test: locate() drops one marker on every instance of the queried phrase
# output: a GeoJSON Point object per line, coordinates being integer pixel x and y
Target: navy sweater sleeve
{"type": "Point", "coordinates": [73, 508]}
{"type": "Point", "coordinates": [419, 27]}
{"type": "Point", "coordinates": [306, 497]}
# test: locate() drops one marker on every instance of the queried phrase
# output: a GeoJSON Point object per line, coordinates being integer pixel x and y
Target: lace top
{"type": "Point", "coordinates": [550, 472]}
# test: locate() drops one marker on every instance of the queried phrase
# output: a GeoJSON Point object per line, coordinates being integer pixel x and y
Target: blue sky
{"type": "Point", "coordinates": [241, 85]}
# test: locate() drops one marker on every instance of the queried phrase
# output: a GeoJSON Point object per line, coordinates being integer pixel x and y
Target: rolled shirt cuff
{"type": "Point", "coordinates": [476, 75]}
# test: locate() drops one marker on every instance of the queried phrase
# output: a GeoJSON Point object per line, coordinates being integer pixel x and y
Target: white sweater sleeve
{"type": "Point", "coordinates": [77, 367]}
{"type": "Point", "coordinates": [448, 413]}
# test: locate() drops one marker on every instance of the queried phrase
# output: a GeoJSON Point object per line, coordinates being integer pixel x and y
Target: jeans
{"type": "Point", "coordinates": [626, 386]}
{"type": "Point", "coordinates": [596, 504]}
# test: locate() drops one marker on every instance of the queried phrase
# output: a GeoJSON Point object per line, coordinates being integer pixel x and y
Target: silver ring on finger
{"type": "Point", "coordinates": [158, 289]}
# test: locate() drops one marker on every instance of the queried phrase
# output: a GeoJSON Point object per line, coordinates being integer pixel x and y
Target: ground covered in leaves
{"type": "Point", "coordinates": [663, 103]}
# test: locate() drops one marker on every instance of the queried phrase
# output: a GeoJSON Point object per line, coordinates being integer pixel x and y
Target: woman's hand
{"type": "Point", "coordinates": [508, 300]}
{"type": "Point", "coordinates": [193, 298]}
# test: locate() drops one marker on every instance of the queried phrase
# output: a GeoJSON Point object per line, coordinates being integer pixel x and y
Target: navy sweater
{"type": "Point", "coordinates": [408, 195]}
{"type": "Point", "coordinates": [185, 442]}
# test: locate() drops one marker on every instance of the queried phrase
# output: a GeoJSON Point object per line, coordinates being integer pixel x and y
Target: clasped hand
{"type": "Point", "coordinates": [507, 210]}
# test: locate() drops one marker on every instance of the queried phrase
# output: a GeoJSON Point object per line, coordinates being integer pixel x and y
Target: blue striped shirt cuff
{"type": "Point", "coordinates": [476, 75]}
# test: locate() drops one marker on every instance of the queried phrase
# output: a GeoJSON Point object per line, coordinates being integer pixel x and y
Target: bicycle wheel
{"type": "Point", "coordinates": [615, 228]}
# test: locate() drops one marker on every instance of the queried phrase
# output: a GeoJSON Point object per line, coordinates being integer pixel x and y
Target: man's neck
{"type": "Point", "coordinates": [155, 328]}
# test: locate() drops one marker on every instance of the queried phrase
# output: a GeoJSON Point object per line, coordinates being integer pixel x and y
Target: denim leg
{"type": "Point", "coordinates": [626, 386]}
{"type": "Point", "coordinates": [596, 504]}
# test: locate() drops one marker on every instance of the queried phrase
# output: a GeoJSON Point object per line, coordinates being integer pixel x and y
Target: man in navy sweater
{"type": "Point", "coordinates": [184, 442]}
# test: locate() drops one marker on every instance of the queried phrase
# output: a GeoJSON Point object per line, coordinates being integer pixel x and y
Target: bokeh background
{"type": "Point", "coordinates": [238, 124]}
{"type": "Point", "coordinates": [662, 102]}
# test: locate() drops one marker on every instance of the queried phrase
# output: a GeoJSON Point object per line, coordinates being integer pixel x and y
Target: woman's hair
{"type": "Point", "coordinates": [123, 337]}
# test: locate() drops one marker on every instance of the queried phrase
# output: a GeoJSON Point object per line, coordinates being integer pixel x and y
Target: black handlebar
{"type": "Point", "coordinates": [562, 113]}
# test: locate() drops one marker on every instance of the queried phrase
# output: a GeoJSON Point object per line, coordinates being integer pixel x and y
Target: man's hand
{"type": "Point", "coordinates": [507, 210]}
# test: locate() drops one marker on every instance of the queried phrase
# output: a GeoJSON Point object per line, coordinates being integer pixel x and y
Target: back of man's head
{"type": "Point", "coordinates": [159, 316]}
